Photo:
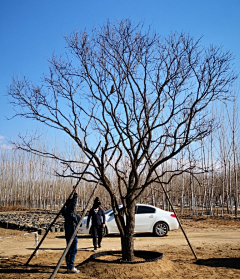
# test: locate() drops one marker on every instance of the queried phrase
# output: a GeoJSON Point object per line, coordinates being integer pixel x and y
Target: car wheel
{"type": "Point", "coordinates": [160, 229]}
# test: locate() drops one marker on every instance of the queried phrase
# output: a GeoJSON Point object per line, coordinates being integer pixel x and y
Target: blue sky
{"type": "Point", "coordinates": [31, 30]}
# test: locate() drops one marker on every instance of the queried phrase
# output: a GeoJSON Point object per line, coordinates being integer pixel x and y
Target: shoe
{"type": "Point", "coordinates": [73, 270]}
{"type": "Point", "coordinates": [95, 249]}
{"type": "Point", "coordinates": [99, 246]}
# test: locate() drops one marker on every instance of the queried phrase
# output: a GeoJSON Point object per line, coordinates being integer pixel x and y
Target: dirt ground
{"type": "Point", "coordinates": [215, 242]}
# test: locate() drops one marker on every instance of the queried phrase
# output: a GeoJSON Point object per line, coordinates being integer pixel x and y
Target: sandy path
{"type": "Point", "coordinates": [16, 243]}
{"type": "Point", "coordinates": [216, 243]}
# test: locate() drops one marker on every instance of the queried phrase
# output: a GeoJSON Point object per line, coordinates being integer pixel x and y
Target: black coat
{"type": "Point", "coordinates": [97, 218]}
{"type": "Point", "coordinates": [71, 218]}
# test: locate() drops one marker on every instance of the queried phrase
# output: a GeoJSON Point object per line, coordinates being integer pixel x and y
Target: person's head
{"type": "Point", "coordinates": [96, 199]}
{"type": "Point", "coordinates": [96, 203]}
{"type": "Point", "coordinates": [67, 204]}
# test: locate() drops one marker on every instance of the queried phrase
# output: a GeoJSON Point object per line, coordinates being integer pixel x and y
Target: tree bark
{"type": "Point", "coordinates": [127, 240]}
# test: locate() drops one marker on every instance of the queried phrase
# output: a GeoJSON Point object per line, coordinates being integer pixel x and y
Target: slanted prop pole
{"type": "Point", "coordinates": [74, 234]}
{"type": "Point", "coordinates": [166, 194]}
{"type": "Point", "coordinates": [50, 226]}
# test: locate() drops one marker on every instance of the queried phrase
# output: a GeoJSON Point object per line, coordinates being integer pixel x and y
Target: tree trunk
{"type": "Point", "coordinates": [127, 240]}
{"type": "Point", "coordinates": [153, 195]}
{"type": "Point", "coordinates": [182, 195]}
{"type": "Point", "coordinates": [234, 160]}
{"type": "Point", "coordinates": [127, 247]}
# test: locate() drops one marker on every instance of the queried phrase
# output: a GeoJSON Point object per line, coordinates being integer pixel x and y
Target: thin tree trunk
{"type": "Point", "coordinates": [234, 160]}
{"type": "Point", "coordinates": [182, 195]}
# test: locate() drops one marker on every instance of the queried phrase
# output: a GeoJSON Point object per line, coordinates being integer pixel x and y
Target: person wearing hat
{"type": "Point", "coordinates": [70, 224]}
{"type": "Point", "coordinates": [98, 222]}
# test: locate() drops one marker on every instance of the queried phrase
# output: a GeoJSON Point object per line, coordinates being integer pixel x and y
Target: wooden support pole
{"type": "Point", "coordinates": [50, 226]}
{"type": "Point", "coordinates": [166, 194]}
{"type": "Point", "coordinates": [74, 234]}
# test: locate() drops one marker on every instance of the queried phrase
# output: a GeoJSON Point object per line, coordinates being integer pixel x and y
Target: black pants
{"type": "Point", "coordinates": [97, 234]}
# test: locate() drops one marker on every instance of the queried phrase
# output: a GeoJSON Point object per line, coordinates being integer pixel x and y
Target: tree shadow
{"type": "Point", "coordinates": [116, 235]}
{"type": "Point", "coordinates": [43, 249]}
{"type": "Point", "coordinates": [83, 236]}
{"type": "Point", "coordinates": [20, 268]}
{"type": "Point", "coordinates": [90, 248]}
{"type": "Point", "coordinates": [221, 262]}
{"type": "Point", "coordinates": [78, 236]}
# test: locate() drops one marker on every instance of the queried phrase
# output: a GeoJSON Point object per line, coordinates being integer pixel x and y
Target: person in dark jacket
{"type": "Point", "coordinates": [98, 222]}
{"type": "Point", "coordinates": [70, 224]}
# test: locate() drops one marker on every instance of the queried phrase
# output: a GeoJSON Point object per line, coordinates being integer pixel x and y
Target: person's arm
{"type": "Point", "coordinates": [88, 219]}
{"type": "Point", "coordinates": [73, 202]}
{"type": "Point", "coordinates": [103, 215]}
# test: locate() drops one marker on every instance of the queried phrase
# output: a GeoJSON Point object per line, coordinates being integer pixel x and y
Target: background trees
{"type": "Point", "coordinates": [146, 98]}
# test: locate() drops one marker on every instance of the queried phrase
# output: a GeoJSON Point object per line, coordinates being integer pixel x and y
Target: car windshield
{"type": "Point", "coordinates": [109, 210]}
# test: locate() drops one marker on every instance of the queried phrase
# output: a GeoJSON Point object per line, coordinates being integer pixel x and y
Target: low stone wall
{"type": "Point", "coordinates": [32, 221]}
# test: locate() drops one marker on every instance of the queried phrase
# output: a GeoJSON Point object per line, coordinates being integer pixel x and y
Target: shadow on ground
{"type": "Point", "coordinates": [221, 262]}
{"type": "Point", "coordinates": [115, 235]}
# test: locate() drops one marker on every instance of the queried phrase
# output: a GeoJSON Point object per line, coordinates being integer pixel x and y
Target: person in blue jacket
{"type": "Point", "coordinates": [70, 224]}
{"type": "Point", "coordinates": [98, 222]}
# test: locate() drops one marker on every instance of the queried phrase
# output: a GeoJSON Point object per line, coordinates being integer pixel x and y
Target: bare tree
{"type": "Point", "coordinates": [137, 93]}
{"type": "Point", "coordinates": [234, 131]}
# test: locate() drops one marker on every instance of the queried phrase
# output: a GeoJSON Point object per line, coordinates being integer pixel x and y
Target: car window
{"type": "Point", "coordinates": [113, 212]}
{"type": "Point", "coordinates": [142, 209]}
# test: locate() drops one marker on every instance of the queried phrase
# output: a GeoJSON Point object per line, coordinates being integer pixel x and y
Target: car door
{"type": "Point", "coordinates": [144, 218]}
{"type": "Point", "coordinates": [111, 223]}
